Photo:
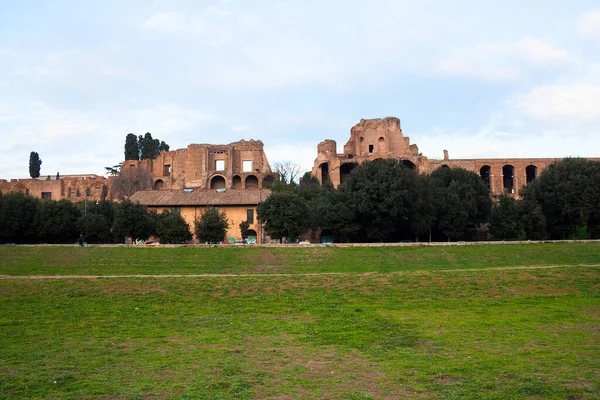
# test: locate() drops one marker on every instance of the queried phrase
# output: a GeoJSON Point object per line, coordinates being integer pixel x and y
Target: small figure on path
{"type": "Point", "coordinates": [81, 240]}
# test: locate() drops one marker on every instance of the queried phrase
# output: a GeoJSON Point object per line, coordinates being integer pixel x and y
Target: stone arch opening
{"type": "Point", "coordinates": [485, 173]}
{"type": "Point", "coordinates": [381, 145]}
{"type": "Point", "coordinates": [251, 182]}
{"type": "Point", "coordinates": [408, 164]}
{"type": "Point", "coordinates": [444, 166]}
{"type": "Point", "coordinates": [251, 236]}
{"type": "Point", "coordinates": [88, 191]}
{"type": "Point", "coordinates": [69, 194]}
{"type": "Point", "coordinates": [236, 182]}
{"type": "Point", "coordinates": [324, 173]}
{"type": "Point", "coordinates": [218, 182]}
{"type": "Point", "coordinates": [268, 181]}
{"type": "Point", "coordinates": [159, 184]}
{"type": "Point", "coordinates": [508, 178]}
{"type": "Point", "coordinates": [326, 236]}
{"type": "Point", "coordinates": [345, 170]}
{"type": "Point", "coordinates": [531, 173]}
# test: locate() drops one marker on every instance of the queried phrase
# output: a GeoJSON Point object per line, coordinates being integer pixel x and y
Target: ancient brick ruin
{"type": "Point", "coordinates": [70, 187]}
{"type": "Point", "coordinates": [382, 138]}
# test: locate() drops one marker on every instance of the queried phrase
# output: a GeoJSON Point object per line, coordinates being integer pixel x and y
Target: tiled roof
{"type": "Point", "coordinates": [200, 197]}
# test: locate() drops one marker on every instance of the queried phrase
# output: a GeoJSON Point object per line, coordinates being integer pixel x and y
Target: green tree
{"type": "Point", "coordinates": [132, 221]}
{"type": "Point", "coordinates": [244, 228]}
{"type": "Point", "coordinates": [505, 221]}
{"type": "Point", "coordinates": [94, 227]}
{"type": "Point", "coordinates": [17, 218]}
{"type": "Point", "coordinates": [211, 226]}
{"type": "Point", "coordinates": [531, 213]}
{"type": "Point", "coordinates": [172, 228]}
{"type": "Point", "coordinates": [461, 200]}
{"type": "Point", "coordinates": [35, 164]}
{"type": "Point", "coordinates": [284, 215]}
{"type": "Point", "coordinates": [132, 147]}
{"type": "Point", "coordinates": [56, 221]}
{"type": "Point", "coordinates": [162, 147]}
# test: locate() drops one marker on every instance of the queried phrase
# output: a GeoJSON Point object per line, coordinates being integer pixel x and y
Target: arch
{"type": "Point", "coordinates": [324, 173]}
{"type": "Point", "coordinates": [485, 173]}
{"type": "Point", "coordinates": [69, 194]}
{"type": "Point", "coordinates": [251, 182]}
{"type": "Point", "coordinates": [381, 139]}
{"type": "Point", "coordinates": [381, 145]}
{"type": "Point", "coordinates": [362, 139]}
{"type": "Point", "coordinates": [345, 170]}
{"type": "Point", "coordinates": [218, 182]}
{"type": "Point", "coordinates": [444, 166]}
{"type": "Point", "coordinates": [531, 173]}
{"type": "Point", "coordinates": [326, 236]}
{"type": "Point", "coordinates": [268, 181]}
{"type": "Point", "coordinates": [408, 164]}
{"type": "Point", "coordinates": [251, 236]}
{"type": "Point", "coordinates": [508, 178]}
{"type": "Point", "coordinates": [88, 191]}
{"type": "Point", "coordinates": [236, 182]}
{"type": "Point", "coordinates": [159, 184]}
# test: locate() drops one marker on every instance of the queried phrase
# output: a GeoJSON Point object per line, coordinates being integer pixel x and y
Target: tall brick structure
{"type": "Point", "coordinates": [238, 165]}
{"type": "Point", "coordinates": [382, 138]}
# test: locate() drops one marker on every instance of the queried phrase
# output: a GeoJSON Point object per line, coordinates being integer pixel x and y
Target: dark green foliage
{"type": "Point", "coordinates": [569, 195]}
{"type": "Point", "coordinates": [56, 221]}
{"type": "Point", "coordinates": [114, 170]}
{"type": "Point", "coordinates": [531, 213]}
{"type": "Point", "coordinates": [162, 147]}
{"type": "Point", "coordinates": [106, 208]}
{"type": "Point", "coordinates": [284, 214]}
{"type": "Point", "coordinates": [211, 226]}
{"type": "Point", "coordinates": [461, 199]}
{"type": "Point", "coordinates": [132, 149]}
{"type": "Point", "coordinates": [17, 218]}
{"type": "Point", "coordinates": [94, 227]}
{"type": "Point", "coordinates": [172, 228]}
{"type": "Point", "coordinates": [132, 221]}
{"type": "Point", "coordinates": [505, 222]}
{"type": "Point", "coordinates": [35, 164]}
{"type": "Point", "coordinates": [244, 228]}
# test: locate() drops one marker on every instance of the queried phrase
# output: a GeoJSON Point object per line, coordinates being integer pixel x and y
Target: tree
{"type": "Point", "coordinates": [211, 226]}
{"type": "Point", "coordinates": [284, 215]}
{"type": "Point", "coordinates": [94, 227]}
{"type": "Point", "coordinates": [56, 221]}
{"type": "Point", "coordinates": [17, 218]}
{"type": "Point", "coordinates": [35, 164]}
{"type": "Point", "coordinates": [172, 228]}
{"type": "Point", "coordinates": [114, 170]}
{"type": "Point", "coordinates": [129, 181]}
{"type": "Point", "coordinates": [461, 200]}
{"type": "Point", "coordinates": [288, 171]}
{"type": "Point", "coordinates": [132, 148]}
{"type": "Point", "coordinates": [244, 229]}
{"type": "Point", "coordinates": [132, 220]}
{"type": "Point", "coordinates": [505, 221]}
{"type": "Point", "coordinates": [531, 213]}
{"type": "Point", "coordinates": [162, 147]}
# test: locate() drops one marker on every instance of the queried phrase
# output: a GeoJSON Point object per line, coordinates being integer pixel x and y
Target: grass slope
{"type": "Point", "coordinates": [473, 334]}
{"type": "Point", "coordinates": [248, 260]}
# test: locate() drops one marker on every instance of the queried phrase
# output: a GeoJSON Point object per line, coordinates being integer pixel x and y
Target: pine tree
{"type": "Point", "coordinates": [35, 164]}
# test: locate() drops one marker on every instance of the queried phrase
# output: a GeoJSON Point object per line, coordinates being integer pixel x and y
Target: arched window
{"type": "Point", "coordinates": [159, 184]}
{"type": "Point", "coordinates": [531, 173]}
{"type": "Point", "coordinates": [217, 182]}
{"type": "Point", "coordinates": [88, 191]}
{"type": "Point", "coordinates": [345, 170]}
{"type": "Point", "coordinates": [251, 236]}
{"type": "Point", "coordinates": [268, 181]}
{"type": "Point", "coordinates": [408, 164]}
{"type": "Point", "coordinates": [485, 173]}
{"type": "Point", "coordinates": [508, 178]}
{"type": "Point", "coordinates": [251, 182]}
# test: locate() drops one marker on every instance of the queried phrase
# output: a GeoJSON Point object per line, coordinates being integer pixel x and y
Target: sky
{"type": "Point", "coordinates": [482, 79]}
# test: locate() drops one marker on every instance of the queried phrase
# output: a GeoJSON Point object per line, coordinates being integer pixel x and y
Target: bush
{"type": "Point", "coordinates": [211, 226]}
{"type": "Point", "coordinates": [172, 228]}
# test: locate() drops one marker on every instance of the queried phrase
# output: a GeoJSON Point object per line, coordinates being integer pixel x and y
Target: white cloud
{"type": "Point", "coordinates": [589, 24]}
{"type": "Point", "coordinates": [302, 154]}
{"type": "Point", "coordinates": [173, 22]}
{"type": "Point", "coordinates": [578, 101]}
{"type": "Point", "coordinates": [503, 61]}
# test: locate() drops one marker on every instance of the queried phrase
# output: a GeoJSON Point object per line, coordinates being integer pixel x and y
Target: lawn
{"type": "Point", "coordinates": [408, 322]}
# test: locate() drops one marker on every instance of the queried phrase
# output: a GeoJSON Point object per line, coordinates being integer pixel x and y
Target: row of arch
{"type": "Point", "coordinates": [220, 182]}
{"type": "Point", "coordinates": [508, 176]}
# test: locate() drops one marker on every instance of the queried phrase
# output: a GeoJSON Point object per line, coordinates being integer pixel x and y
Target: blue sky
{"type": "Point", "coordinates": [478, 78]}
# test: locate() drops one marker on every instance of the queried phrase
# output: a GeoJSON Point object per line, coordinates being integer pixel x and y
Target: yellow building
{"type": "Point", "coordinates": [238, 205]}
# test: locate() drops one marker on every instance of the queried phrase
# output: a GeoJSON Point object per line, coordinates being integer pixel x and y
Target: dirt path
{"type": "Point", "coordinates": [161, 276]}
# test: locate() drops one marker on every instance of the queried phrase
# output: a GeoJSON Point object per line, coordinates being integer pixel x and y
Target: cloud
{"type": "Point", "coordinates": [503, 61]}
{"type": "Point", "coordinates": [577, 101]}
{"type": "Point", "coordinates": [173, 23]}
{"type": "Point", "coordinates": [589, 24]}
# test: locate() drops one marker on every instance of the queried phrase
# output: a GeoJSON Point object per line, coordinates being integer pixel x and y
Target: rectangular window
{"type": "Point", "coordinates": [167, 171]}
{"type": "Point", "coordinates": [370, 148]}
{"type": "Point", "coordinates": [250, 216]}
{"type": "Point", "coordinates": [220, 165]}
{"type": "Point", "coordinates": [46, 195]}
{"type": "Point", "coordinates": [247, 166]}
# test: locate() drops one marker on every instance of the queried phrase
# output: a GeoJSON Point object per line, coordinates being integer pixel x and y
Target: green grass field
{"type": "Point", "coordinates": [452, 322]}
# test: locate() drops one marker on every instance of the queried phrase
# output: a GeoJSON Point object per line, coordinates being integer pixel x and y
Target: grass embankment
{"type": "Point", "coordinates": [264, 260]}
{"type": "Point", "coordinates": [476, 334]}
